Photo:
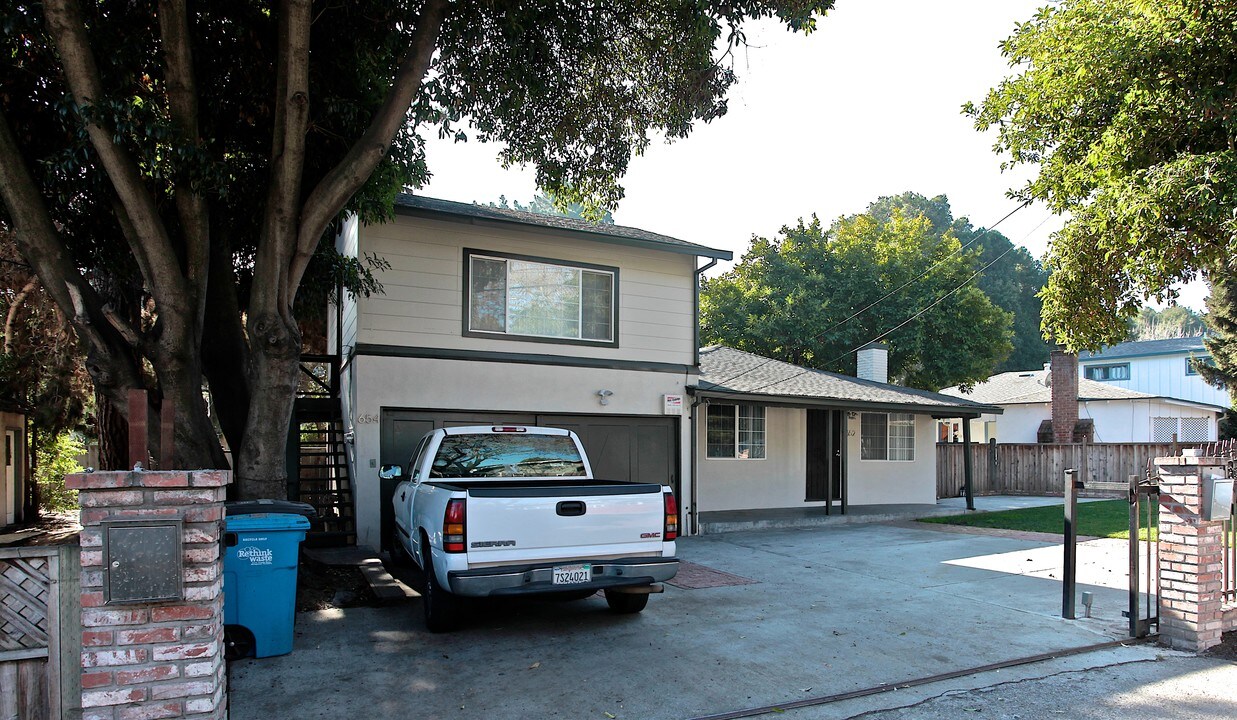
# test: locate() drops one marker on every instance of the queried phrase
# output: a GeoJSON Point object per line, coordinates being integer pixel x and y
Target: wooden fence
{"type": "Point", "coordinates": [40, 635]}
{"type": "Point", "coordinates": [1018, 469]}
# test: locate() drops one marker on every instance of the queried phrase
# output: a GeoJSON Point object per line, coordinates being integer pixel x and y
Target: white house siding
{"type": "Point", "coordinates": [422, 305]}
{"type": "Point", "coordinates": [1164, 376]}
{"type": "Point", "coordinates": [1116, 421]}
{"type": "Point", "coordinates": [775, 481]}
{"type": "Point", "coordinates": [458, 385]}
{"type": "Point", "coordinates": [780, 479]}
{"type": "Point", "coordinates": [879, 482]}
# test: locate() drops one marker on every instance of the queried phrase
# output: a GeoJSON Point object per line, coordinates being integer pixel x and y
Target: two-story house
{"type": "Point", "coordinates": [1162, 368]}
{"type": "Point", "coordinates": [495, 316]}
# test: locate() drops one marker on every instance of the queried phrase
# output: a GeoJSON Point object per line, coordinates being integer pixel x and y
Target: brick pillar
{"type": "Point", "coordinates": [1064, 385]}
{"type": "Point", "coordinates": [143, 660]}
{"type": "Point", "coordinates": [1191, 616]}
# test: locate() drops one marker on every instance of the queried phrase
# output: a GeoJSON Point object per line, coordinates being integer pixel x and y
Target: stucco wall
{"type": "Point", "coordinates": [879, 482]}
{"type": "Point", "coordinates": [1116, 421]}
{"type": "Point", "coordinates": [423, 384]}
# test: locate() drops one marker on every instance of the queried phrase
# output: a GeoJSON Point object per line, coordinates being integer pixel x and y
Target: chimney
{"type": "Point", "coordinates": [873, 362]}
{"type": "Point", "coordinates": [1063, 381]}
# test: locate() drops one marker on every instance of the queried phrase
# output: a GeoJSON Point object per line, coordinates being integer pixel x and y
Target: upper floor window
{"type": "Point", "coordinates": [1118, 371]}
{"type": "Point", "coordinates": [537, 299]}
{"type": "Point", "coordinates": [887, 436]}
{"type": "Point", "coordinates": [735, 431]}
{"type": "Point", "coordinates": [1192, 363]}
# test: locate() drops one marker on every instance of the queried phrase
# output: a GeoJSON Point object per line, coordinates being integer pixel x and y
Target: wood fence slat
{"type": "Point", "coordinates": [1035, 469]}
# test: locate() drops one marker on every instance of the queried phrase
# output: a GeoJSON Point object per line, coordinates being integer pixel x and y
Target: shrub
{"type": "Point", "coordinates": [56, 458]}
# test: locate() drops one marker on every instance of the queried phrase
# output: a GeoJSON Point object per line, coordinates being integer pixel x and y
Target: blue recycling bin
{"type": "Point", "coordinates": [259, 578]}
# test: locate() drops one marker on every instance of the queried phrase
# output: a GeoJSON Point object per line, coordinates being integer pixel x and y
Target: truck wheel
{"type": "Point", "coordinates": [626, 603]}
{"type": "Point", "coordinates": [441, 607]}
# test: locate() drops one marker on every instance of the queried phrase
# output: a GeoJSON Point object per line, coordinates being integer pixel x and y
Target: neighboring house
{"type": "Point", "coordinates": [1115, 414]}
{"type": "Point", "coordinates": [1160, 368]}
{"type": "Point", "coordinates": [775, 435]}
{"type": "Point", "coordinates": [493, 316]}
{"type": "Point", "coordinates": [15, 477]}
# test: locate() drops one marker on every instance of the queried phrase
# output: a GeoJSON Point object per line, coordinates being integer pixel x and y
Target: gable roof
{"type": "Point", "coordinates": [421, 206]}
{"type": "Point", "coordinates": [1030, 387]}
{"type": "Point", "coordinates": [1143, 348]}
{"type": "Point", "coordinates": [734, 374]}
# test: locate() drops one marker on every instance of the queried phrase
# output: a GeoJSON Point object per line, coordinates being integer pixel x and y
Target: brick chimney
{"type": "Point", "coordinates": [1064, 383]}
{"type": "Point", "coordinates": [873, 362]}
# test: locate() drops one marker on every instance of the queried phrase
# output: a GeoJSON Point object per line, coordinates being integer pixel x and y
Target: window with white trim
{"type": "Point", "coordinates": [735, 431]}
{"type": "Point", "coordinates": [887, 436]}
{"type": "Point", "coordinates": [510, 296]}
{"type": "Point", "coordinates": [1117, 371]}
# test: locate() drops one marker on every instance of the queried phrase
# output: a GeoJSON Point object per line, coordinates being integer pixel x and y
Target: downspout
{"type": "Point", "coordinates": [691, 390]}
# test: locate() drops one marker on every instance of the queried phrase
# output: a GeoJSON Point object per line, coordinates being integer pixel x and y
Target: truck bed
{"type": "Point", "coordinates": [545, 487]}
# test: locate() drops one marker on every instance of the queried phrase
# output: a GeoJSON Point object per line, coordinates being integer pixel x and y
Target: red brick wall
{"type": "Point", "coordinates": [1064, 378]}
{"type": "Point", "coordinates": [154, 660]}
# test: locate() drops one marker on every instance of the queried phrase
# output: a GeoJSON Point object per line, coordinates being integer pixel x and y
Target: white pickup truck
{"type": "Point", "coordinates": [494, 511]}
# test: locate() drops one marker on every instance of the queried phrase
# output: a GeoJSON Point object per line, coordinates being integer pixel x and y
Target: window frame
{"type": "Point", "coordinates": [1191, 370]}
{"type": "Point", "coordinates": [466, 298]}
{"type": "Point", "coordinates": [889, 436]}
{"type": "Point", "coordinates": [737, 432]}
{"type": "Point", "coordinates": [1106, 367]}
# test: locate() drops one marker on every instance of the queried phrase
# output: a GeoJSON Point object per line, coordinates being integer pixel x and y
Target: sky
{"type": "Point", "coordinates": [868, 105]}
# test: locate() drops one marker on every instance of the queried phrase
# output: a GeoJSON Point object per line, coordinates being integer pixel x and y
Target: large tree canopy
{"type": "Point", "coordinates": [1127, 109]}
{"type": "Point", "coordinates": [814, 296]}
{"type": "Point", "coordinates": [173, 169]}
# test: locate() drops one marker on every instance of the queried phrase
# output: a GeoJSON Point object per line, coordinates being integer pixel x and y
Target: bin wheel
{"type": "Point", "coordinates": [238, 642]}
{"type": "Point", "coordinates": [626, 603]}
{"type": "Point", "coordinates": [441, 607]}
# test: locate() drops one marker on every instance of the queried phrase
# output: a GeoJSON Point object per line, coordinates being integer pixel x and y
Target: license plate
{"type": "Point", "coordinates": [573, 574]}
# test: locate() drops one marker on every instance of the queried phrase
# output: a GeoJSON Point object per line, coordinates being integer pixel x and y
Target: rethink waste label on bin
{"type": "Point", "coordinates": [256, 555]}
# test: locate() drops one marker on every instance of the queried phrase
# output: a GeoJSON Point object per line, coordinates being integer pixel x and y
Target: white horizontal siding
{"type": "Point", "coordinates": [422, 303]}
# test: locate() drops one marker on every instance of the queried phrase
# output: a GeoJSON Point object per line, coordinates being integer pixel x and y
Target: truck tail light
{"type": "Point", "coordinates": [671, 531]}
{"type": "Point", "coordinates": [453, 527]}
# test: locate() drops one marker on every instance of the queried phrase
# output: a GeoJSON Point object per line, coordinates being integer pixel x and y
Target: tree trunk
{"type": "Point", "coordinates": [274, 368]}
{"type": "Point", "coordinates": [113, 434]}
{"type": "Point", "coordinates": [224, 352]}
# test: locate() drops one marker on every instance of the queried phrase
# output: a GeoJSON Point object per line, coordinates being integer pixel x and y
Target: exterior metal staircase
{"type": "Point", "coordinates": [318, 455]}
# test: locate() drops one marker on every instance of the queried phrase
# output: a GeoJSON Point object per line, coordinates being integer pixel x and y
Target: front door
{"type": "Point", "coordinates": [825, 467]}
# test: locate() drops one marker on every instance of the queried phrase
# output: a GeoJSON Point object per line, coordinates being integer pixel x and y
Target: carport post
{"type": "Point", "coordinates": [1071, 545]}
{"type": "Point", "coordinates": [968, 473]}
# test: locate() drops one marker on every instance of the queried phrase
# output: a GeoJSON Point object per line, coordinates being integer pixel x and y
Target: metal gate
{"type": "Point", "coordinates": [1144, 609]}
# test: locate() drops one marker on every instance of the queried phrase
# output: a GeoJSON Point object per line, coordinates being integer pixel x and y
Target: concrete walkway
{"type": "Point", "coordinates": [834, 609]}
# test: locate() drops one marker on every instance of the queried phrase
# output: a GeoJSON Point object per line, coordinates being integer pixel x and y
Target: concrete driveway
{"type": "Point", "coordinates": [831, 610]}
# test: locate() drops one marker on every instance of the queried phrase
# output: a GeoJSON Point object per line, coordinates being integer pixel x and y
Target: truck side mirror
{"type": "Point", "coordinates": [389, 472]}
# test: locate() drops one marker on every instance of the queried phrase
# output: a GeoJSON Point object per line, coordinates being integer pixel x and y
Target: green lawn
{"type": "Point", "coordinates": [1106, 518]}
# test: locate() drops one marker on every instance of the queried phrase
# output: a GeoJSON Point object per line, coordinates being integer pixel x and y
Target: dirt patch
{"type": "Point", "coordinates": [320, 587]}
{"type": "Point", "coordinates": [51, 528]}
{"type": "Point", "coordinates": [1227, 649]}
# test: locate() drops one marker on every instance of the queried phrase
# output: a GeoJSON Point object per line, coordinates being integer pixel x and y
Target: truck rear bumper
{"type": "Point", "coordinates": [536, 579]}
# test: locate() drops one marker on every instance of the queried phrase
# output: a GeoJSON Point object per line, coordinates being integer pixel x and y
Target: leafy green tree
{"type": "Point", "coordinates": [813, 297]}
{"type": "Point", "coordinates": [173, 170]}
{"type": "Point", "coordinates": [1011, 277]}
{"type": "Point", "coordinates": [1126, 110]}
{"type": "Point", "coordinates": [1176, 321]}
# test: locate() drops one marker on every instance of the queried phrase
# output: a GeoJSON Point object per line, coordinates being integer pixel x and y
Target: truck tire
{"type": "Point", "coordinates": [626, 603]}
{"type": "Point", "coordinates": [441, 607]}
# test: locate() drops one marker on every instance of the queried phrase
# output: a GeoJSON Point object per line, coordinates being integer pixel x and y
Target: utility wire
{"type": "Point", "coordinates": [896, 290]}
{"type": "Point", "coordinates": [904, 323]}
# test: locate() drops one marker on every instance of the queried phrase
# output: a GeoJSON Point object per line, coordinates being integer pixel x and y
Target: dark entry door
{"type": "Point", "coordinates": [825, 442]}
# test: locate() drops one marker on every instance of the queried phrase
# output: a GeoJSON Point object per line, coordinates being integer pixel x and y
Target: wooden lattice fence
{"type": "Point", "coordinates": [39, 632]}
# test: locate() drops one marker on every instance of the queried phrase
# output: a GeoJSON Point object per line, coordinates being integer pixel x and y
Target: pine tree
{"type": "Point", "coordinates": [1221, 343]}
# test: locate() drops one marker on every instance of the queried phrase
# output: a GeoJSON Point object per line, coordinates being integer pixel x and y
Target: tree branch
{"type": "Point", "coordinates": [342, 182]}
{"type": "Point", "coordinates": [68, 31]}
{"type": "Point", "coordinates": [14, 307]}
{"type": "Point", "coordinates": [191, 207]}
{"type": "Point", "coordinates": [287, 158]}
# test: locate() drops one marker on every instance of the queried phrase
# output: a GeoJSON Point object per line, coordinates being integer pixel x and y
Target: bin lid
{"type": "Point", "coordinates": [266, 521]}
{"type": "Point", "coordinates": [257, 507]}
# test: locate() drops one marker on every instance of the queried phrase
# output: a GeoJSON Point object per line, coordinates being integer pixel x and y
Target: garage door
{"type": "Point", "coordinates": [634, 449]}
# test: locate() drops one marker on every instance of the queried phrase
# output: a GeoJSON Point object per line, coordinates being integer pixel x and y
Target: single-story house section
{"type": "Point", "coordinates": [1116, 414]}
{"type": "Point", "coordinates": [771, 434]}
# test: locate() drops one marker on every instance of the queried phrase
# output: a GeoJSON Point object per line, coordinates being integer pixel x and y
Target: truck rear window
{"type": "Point", "coordinates": [471, 456]}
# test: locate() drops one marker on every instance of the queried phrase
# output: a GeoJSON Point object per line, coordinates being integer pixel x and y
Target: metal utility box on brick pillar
{"type": "Point", "coordinates": [1217, 498]}
{"type": "Point", "coordinates": [141, 561]}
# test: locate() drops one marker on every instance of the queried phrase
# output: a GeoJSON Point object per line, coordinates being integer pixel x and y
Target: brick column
{"type": "Point", "coordinates": [1191, 617]}
{"type": "Point", "coordinates": [154, 659]}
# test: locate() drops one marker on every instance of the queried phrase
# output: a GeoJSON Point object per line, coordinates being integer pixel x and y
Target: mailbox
{"type": "Point", "coordinates": [1217, 498]}
{"type": "Point", "coordinates": [142, 561]}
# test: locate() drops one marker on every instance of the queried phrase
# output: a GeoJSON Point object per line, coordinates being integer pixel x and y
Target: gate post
{"type": "Point", "coordinates": [152, 594]}
{"type": "Point", "coordinates": [1191, 555]}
